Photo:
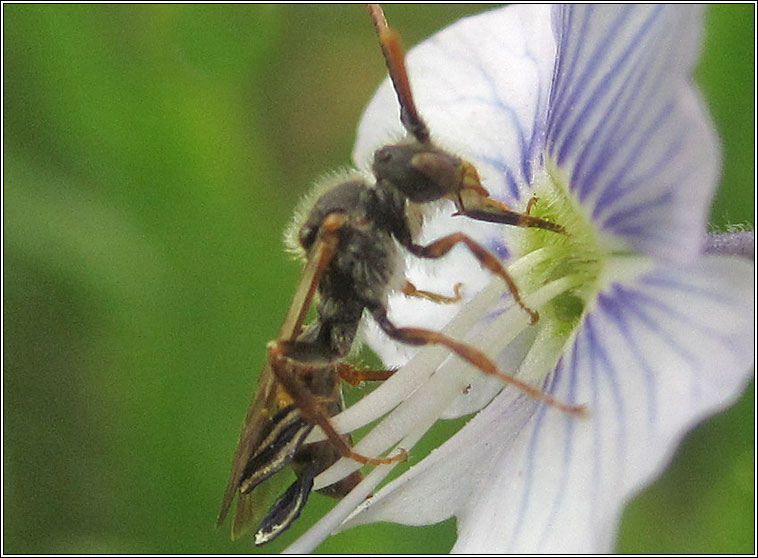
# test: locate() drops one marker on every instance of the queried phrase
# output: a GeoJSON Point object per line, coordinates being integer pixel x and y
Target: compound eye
{"type": "Point", "coordinates": [307, 236]}
{"type": "Point", "coordinates": [383, 155]}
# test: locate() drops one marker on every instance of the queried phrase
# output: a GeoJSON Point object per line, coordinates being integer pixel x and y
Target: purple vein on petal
{"type": "Point", "coordinates": [606, 130]}
{"type": "Point", "coordinates": [630, 122]}
{"type": "Point", "coordinates": [621, 220]}
{"type": "Point", "coordinates": [602, 89]}
{"type": "Point", "coordinates": [523, 147]}
{"type": "Point", "coordinates": [611, 138]}
{"type": "Point", "coordinates": [504, 170]}
{"type": "Point", "coordinates": [612, 306]}
{"type": "Point", "coordinates": [620, 187]}
{"type": "Point", "coordinates": [644, 304]}
{"type": "Point", "coordinates": [645, 300]}
{"type": "Point", "coordinates": [538, 125]}
{"type": "Point", "coordinates": [536, 145]}
{"type": "Point", "coordinates": [609, 194]}
{"type": "Point", "coordinates": [670, 283]}
{"type": "Point", "coordinates": [570, 424]}
{"type": "Point", "coordinates": [644, 232]}
{"type": "Point", "coordinates": [607, 371]}
{"type": "Point", "coordinates": [686, 355]}
{"type": "Point", "coordinates": [498, 246]}
{"type": "Point", "coordinates": [568, 100]}
{"type": "Point", "coordinates": [561, 80]}
{"type": "Point", "coordinates": [494, 100]}
{"type": "Point", "coordinates": [504, 303]}
{"type": "Point", "coordinates": [498, 104]}
{"type": "Point", "coordinates": [619, 141]}
{"type": "Point", "coordinates": [531, 459]}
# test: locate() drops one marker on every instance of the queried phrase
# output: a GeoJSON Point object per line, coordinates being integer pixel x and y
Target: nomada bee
{"type": "Point", "coordinates": [351, 238]}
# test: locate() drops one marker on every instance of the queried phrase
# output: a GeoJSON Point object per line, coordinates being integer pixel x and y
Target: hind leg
{"type": "Point", "coordinates": [472, 355]}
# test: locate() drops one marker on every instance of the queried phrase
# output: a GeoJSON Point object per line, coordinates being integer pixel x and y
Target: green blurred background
{"type": "Point", "coordinates": [152, 156]}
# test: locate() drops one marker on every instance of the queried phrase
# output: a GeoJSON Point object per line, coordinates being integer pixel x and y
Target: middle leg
{"type": "Point", "coordinates": [440, 247]}
{"type": "Point", "coordinates": [410, 290]}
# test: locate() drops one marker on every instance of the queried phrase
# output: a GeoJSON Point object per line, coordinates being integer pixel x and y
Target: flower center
{"type": "Point", "coordinates": [576, 255]}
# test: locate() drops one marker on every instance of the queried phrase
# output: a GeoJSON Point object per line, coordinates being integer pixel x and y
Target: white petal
{"type": "Point", "coordinates": [652, 359]}
{"type": "Point", "coordinates": [442, 484]}
{"type": "Point", "coordinates": [628, 125]}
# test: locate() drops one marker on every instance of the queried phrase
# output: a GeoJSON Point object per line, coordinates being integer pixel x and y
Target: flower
{"type": "Point", "coordinates": [591, 109]}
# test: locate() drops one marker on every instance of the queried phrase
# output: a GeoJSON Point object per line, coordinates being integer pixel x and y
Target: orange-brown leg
{"type": "Point", "coordinates": [472, 355]}
{"type": "Point", "coordinates": [440, 247]}
{"type": "Point", "coordinates": [410, 290]}
{"type": "Point", "coordinates": [493, 211]}
{"type": "Point", "coordinates": [286, 372]}
{"type": "Point", "coordinates": [355, 376]}
{"type": "Point", "coordinates": [395, 58]}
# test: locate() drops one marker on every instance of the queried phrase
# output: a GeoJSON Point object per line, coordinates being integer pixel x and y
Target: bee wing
{"type": "Point", "coordinates": [321, 253]}
{"type": "Point", "coordinates": [245, 515]}
{"type": "Point", "coordinates": [250, 437]}
{"type": "Point", "coordinates": [251, 507]}
{"type": "Point", "coordinates": [264, 404]}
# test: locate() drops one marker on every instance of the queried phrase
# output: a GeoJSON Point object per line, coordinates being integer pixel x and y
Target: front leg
{"type": "Point", "coordinates": [475, 203]}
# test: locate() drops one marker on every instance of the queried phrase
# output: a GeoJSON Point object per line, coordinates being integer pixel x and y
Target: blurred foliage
{"type": "Point", "coordinates": [152, 154]}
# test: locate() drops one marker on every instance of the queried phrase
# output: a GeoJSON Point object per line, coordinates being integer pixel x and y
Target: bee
{"type": "Point", "coordinates": [352, 235]}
